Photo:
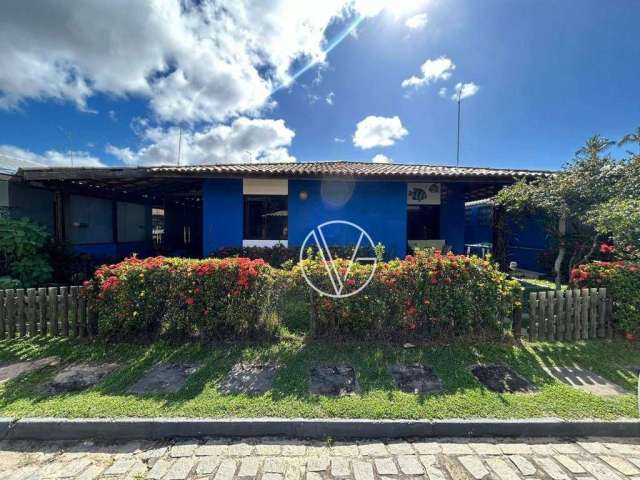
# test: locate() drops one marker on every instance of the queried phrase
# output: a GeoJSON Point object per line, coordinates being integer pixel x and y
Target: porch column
{"type": "Point", "coordinates": [222, 214]}
{"type": "Point", "coordinates": [452, 217]}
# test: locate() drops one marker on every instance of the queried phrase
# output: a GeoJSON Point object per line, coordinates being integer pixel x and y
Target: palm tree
{"type": "Point", "coordinates": [633, 137]}
{"type": "Point", "coordinates": [594, 147]}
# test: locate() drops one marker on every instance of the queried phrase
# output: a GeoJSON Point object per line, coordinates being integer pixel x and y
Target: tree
{"type": "Point", "coordinates": [633, 137]}
{"type": "Point", "coordinates": [574, 201]}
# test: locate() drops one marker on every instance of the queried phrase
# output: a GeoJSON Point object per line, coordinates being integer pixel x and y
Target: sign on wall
{"type": "Point", "coordinates": [423, 194]}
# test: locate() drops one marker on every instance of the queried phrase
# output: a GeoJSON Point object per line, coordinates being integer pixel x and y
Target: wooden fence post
{"type": "Point", "coordinates": [82, 316]}
{"type": "Point", "coordinates": [64, 311]}
{"type": "Point", "coordinates": [73, 311]}
{"type": "Point", "coordinates": [517, 319]}
{"type": "Point", "coordinates": [533, 320]}
{"type": "Point", "coordinates": [22, 329]}
{"type": "Point", "coordinates": [52, 300]}
{"type": "Point", "coordinates": [585, 313]}
{"type": "Point", "coordinates": [31, 311]}
{"type": "Point", "coordinates": [593, 312]}
{"type": "Point", "coordinates": [42, 310]}
{"type": "Point", "coordinates": [2, 315]}
{"type": "Point", "coordinates": [569, 332]}
{"type": "Point", "coordinates": [602, 312]}
{"type": "Point", "coordinates": [10, 312]}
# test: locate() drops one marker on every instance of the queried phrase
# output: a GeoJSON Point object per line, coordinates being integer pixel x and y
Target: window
{"type": "Point", "coordinates": [132, 222]}
{"type": "Point", "coordinates": [423, 222]}
{"type": "Point", "coordinates": [265, 217]}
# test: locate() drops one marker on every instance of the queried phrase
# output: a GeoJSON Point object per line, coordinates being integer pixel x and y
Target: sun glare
{"type": "Point", "coordinates": [402, 8]}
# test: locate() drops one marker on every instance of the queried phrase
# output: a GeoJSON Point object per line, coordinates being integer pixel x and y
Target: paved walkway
{"type": "Point", "coordinates": [282, 459]}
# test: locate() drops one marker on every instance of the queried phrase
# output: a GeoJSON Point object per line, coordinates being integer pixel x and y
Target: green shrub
{"type": "Point", "coordinates": [183, 298]}
{"type": "Point", "coordinates": [23, 252]}
{"type": "Point", "coordinates": [622, 281]}
{"type": "Point", "coordinates": [279, 256]}
{"type": "Point", "coordinates": [428, 295]}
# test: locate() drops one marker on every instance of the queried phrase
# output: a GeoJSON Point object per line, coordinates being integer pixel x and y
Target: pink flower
{"type": "Point", "coordinates": [604, 248]}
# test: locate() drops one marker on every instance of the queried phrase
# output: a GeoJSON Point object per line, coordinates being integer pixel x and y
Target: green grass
{"type": "Point", "coordinates": [463, 396]}
{"type": "Point", "coordinates": [537, 285]}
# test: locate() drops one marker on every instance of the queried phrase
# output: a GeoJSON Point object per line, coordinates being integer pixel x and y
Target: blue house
{"type": "Point", "coordinates": [196, 210]}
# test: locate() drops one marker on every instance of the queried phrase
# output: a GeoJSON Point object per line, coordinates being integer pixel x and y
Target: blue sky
{"type": "Point", "coordinates": [550, 74]}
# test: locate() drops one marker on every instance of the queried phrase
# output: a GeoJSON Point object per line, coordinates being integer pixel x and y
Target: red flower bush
{"type": "Point", "coordinates": [426, 295]}
{"type": "Point", "coordinates": [172, 296]}
{"type": "Point", "coordinates": [622, 281]}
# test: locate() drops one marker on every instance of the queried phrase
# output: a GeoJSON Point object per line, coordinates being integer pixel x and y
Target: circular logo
{"type": "Point", "coordinates": [342, 285]}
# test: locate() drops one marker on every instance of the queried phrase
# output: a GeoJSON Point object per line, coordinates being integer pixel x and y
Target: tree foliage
{"type": "Point", "coordinates": [595, 198]}
{"type": "Point", "coordinates": [24, 261]}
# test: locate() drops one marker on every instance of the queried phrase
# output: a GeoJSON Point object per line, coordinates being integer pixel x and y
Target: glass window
{"type": "Point", "coordinates": [265, 217]}
{"type": "Point", "coordinates": [423, 222]}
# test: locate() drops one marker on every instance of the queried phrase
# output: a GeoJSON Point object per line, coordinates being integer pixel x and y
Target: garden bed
{"type": "Point", "coordinates": [377, 395]}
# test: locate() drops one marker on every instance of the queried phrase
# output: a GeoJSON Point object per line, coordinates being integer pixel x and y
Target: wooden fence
{"type": "Point", "coordinates": [569, 314]}
{"type": "Point", "coordinates": [55, 311]}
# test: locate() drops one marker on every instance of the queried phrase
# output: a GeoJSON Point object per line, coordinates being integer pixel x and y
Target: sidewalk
{"type": "Point", "coordinates": [282, 459]}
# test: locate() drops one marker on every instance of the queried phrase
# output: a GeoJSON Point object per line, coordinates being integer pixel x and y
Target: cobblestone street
{"type": "Point", "coordinates": [282, 459]}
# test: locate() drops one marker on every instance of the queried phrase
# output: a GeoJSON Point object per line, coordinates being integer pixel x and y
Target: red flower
{"type": "Point", "coordinates": [604, 248]}
{"type": "Point", "coordinates": [110, 283]}
{"type": "Point", "coordinates": [189, 301]}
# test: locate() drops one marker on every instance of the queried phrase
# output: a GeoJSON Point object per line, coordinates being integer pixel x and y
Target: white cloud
{"type": "Point", "coordinates": [431, 71]}
{"type": "Point", "coordinates": [378, 132]}
{"type": "Point", "coordinates": [416, 22]}
{"type": "Point", "coordinates": [330, 98]}
{"type": "Point", "coordinates": [379, 158]}
{"type": "Point", "coordinates": [443, 92]}
{"type": "Point", "coordinates": [245, 140]}
{"type": "Point", "coordinates": [338, 139]}
{"type": "Point", "coordinates": [464, 90]}
{"type": "Point", "coordinates": [19, 157]}
{"type": "Point", "coordinates": [205, 61]}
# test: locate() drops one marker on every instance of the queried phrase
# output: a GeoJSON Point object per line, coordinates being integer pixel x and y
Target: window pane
{"type": "Point", "coordinates": [265, 217]}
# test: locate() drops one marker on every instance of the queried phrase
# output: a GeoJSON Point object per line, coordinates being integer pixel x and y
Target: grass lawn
{"type": "Point", "coordinates": [463, 396]}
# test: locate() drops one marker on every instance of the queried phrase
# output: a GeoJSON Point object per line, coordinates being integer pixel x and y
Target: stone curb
{"type": "Point", "coordinates": [5, 425]}
{"type": "Point", "coordinates": [45, 429]}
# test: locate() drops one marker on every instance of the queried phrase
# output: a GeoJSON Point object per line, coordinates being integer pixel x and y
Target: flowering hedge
{"type": "Point", "coordinates": [213, 298]}
{"type": "Point", "coordinates": [427, 295]}
{"type": "Point", "coordinates": [622, 281]}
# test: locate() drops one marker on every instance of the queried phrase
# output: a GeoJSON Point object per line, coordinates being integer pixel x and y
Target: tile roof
{"type": "Point", "coordinates": [343, 168]}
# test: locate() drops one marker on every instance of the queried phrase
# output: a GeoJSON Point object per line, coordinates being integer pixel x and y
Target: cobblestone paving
{"type": "Point", "coordinates": [283, 459]}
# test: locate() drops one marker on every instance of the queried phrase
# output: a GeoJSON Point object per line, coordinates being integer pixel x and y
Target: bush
{"type": "Point", "coordinates": [24, 260]}
{"type": "Point", "coordinates": [622, 281]}
{"type": "Point", "coordinates": [428, 295]}
{"type": "Point", "coordinates": [183, 298]}
{"type": "Point", "coordinates": [279, 255]}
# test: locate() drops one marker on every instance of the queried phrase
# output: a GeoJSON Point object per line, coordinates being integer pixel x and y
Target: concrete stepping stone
{"type": "Point", "coordinates": [249, 378]}
{"type": "Point", "coordinates": [9, 371]}
{"type": "Point", "coordinates": [416, 378]}
{"type": "Point", "coordinates": [585, 380]}
{"type": "Point", "coordinates": [333, 380]}
{"type": "Point", "coordinates": [80, 376]}
{"type": "Point", "coordinates": [164, 378]}
{"type": "Point", "coordinates": [501, 379]}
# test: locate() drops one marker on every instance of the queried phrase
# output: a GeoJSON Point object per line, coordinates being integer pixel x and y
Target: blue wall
{"type": "Point", "coordinates": [527, 240]}
{"type": "Point", "coordinates": [380, 208]}
{"type": "Point", "coordinates": [452, 217]}
{"type": "Point", "coordinates": [222, 217]}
